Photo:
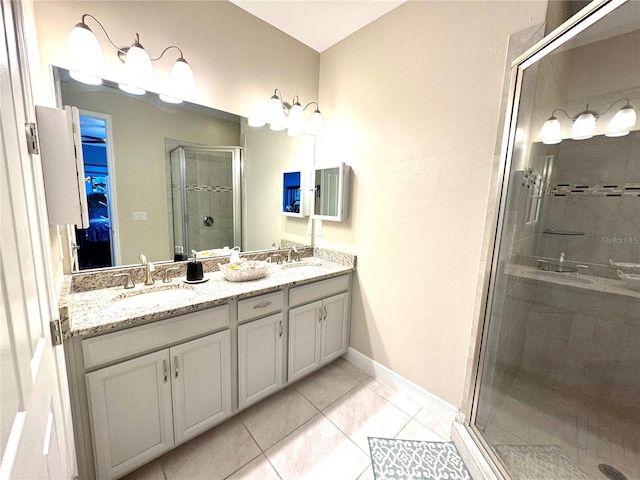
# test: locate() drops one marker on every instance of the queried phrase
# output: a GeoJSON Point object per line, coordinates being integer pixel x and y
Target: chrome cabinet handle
{"type": "Point", "coordinates": [177, 369]}
{"type": "Point", "coordinates": [281, 329]}
{"type": "Point", "coordinates": [319, 314]}
{"type": "Point", "coordinates": [262, 305]}
{"type": "Point", "coordinates": [166, 371]}
{"type": "Point", "coordinates": [325, 313]}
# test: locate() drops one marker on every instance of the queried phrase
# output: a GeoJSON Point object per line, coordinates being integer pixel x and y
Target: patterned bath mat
{"type": "Point", "coordinates": [538, 462]}
{"type": "Point", "coordinates": [412, 460]}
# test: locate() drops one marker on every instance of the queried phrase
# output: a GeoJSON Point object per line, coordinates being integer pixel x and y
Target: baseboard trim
{"type": "Point", "coordinates": [414, 392]}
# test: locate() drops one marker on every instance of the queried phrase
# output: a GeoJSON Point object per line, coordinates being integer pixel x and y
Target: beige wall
{"type": "Point", "coordinates": [411, 103]}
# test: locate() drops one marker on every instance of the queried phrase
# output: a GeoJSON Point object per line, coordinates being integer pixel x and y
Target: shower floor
{"type": "Point", "coordinates": [543, 432]}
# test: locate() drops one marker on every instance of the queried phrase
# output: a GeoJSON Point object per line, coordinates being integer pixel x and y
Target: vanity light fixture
{"type": "Point", "coordinates": [282, 114]}
{"type": "Point", "coordinates": [584, 124]}
{"type": "Point", "coordinates": [84, 47]}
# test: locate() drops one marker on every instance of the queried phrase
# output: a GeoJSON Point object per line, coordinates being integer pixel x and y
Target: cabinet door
{"type": "Point", "coordinates": [304, 339]}
{"type": "Point", "coordinates": [334, 327]}
{"type": "Point", "coordinates": [201, 371]}
{"type": "Point", "coordinates": [260, 358]}
{"type": "Point", "coordinates": [130, 410]}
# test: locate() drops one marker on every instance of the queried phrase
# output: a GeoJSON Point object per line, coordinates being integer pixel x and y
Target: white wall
{"type": "Point", "coordinates": [411, 103]}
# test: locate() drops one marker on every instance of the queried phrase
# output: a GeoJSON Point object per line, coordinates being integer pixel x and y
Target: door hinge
{"type": "Point", "coordinates": [32, 138]}
{"type": "Point", "coordinates": [56, 333]}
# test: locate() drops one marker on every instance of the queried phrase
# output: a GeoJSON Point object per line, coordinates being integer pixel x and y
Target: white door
{"type": "Point", "coordinates": [34, 427]}
{"type": "Point", "coordinates": [334, 327]}
{"type": "Point", "coordinates": [260, 358]}
{"type": "Point", "coordinates": [201, 372]}
{"type": "Point", "coordinates": [304, 339]}
{"type": "Point", "coordinates": [131, 413]}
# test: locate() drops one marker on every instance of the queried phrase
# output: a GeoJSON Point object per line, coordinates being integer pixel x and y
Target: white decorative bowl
{"type": "Point", "coordinates": [244, 271]}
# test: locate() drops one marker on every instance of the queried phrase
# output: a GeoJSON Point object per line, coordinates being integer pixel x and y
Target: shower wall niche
{"type": "Point", "coordinates": [205, 197]}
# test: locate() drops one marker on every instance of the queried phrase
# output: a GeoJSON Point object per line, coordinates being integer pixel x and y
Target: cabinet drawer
{"type": "Point", "coordinates": [259, 306]}
{"type": "Point", "coordinates": [318, 290]}
{"type": "Point", "coordinates": [136, 340]}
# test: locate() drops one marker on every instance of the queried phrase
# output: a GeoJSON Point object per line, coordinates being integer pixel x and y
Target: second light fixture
{"type": "Point", "coordinates": [284, 115]}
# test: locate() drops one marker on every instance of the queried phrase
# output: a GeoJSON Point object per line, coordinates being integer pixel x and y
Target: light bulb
{"type": "Point", "coordinates": [551, 132]}
{"type": "Point", "coordinates": [583, 126]}
{"type": "Point", "coordinates": [274, 110]}
{"type": "Point", "coordinates": [84, 47]}
{"type": "Point", "coordinates": [131, 89]}
{"type": "Point", "coordinates": [182, 76]}
{"type": "Point", "coordinates": [296, 117]}
{"type": "Point", "coordinates": [622, 122]}
{"type": "Point", "coordinates": [316, 122]}
{"type": "Point", "coordinates": [169, 98]}
{"type": "Point", "coordinates": [255, 122]}
{"type": "Point", "coordinates": [85, 78]}
{"type": "Point", "coordinates": [138, 63]}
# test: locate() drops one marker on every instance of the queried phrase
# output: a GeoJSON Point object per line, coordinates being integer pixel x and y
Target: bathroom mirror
{"type": "Point", "coordinates": [331, 192]}
{"type": "Point", "coordinates": [128, 140]}
{"type": "Point", "coordinates": [295, 193]}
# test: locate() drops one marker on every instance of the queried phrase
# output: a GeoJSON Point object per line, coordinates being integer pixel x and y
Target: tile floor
{"type": "Point", "coordinates": [316, 428]}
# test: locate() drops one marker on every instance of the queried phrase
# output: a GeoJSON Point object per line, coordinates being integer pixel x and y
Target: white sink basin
{"type": "Point", "coordinates": [303, 267]}
{"type": "Point", "coordinates": [153, 297]}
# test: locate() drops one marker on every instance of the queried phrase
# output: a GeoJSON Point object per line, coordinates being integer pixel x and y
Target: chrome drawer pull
{"type": "Point", "coordinates": [166, 371]}
{"type": "Point", "coordinates": [281, 328]}
{"type": "Point", "coordinates": [177, 369]}
{"type": "Point", "coordinates": [262, 305]}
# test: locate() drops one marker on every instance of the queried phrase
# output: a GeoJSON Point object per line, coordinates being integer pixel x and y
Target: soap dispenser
{"type": "Point", "coordinates": [194, 269]}
{"type": "Point", "coordinates": [235, 255]}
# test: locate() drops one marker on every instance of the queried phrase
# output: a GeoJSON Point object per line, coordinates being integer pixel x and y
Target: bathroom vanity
{"type": "Point", "coordinates": [146, 378]}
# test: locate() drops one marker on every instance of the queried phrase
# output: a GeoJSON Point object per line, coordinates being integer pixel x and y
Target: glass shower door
{"type": "Point", "coordinates": [205, 197]}
{"type": "Point", "coordinates": [557, 394]}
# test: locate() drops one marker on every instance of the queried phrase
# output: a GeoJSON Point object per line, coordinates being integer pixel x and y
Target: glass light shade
{"type": "Point", "coordinates": [169, 98]}
{"type": "Point", "coordinates": [293, 132]}
{"type": "Point", "coordinates": [276, 127]}
{"type": "Point", "coordinates": [137, 63]}
{"type": "Point", "coordinates": [85, 78]}
{"type": "Point", "coordinates": [551, 132]}
{"type": "Point", "coordinates": [83, 46]}
{"type": "Point", "coordinates": [182, 76]}
{"type": "Point", "coordinates": [296, 118]}
{"type": "Point", "coordinates": [583, 126]}
{"type": "Point", "coordinates": [316, 122]}
{"type": "Point", "coordinates": [256, 122]}
{"type": "Point", "coordinates": [274, 110]}
{"type": "Point", "coordinates": [131, 89]}
{"type": "Point", "coordinates": [622, 122]}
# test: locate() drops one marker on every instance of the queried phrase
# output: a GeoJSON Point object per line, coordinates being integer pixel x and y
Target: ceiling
{"type": "Point", "coordinates": [318, 24]}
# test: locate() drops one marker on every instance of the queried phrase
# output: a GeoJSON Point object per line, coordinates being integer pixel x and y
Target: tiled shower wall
{"type": "Point", "coordinates": [209, 179]}
{"type": "Point", "coordinates": [586, 342]}
{"type": "Point", "coordinates": [597, 192]}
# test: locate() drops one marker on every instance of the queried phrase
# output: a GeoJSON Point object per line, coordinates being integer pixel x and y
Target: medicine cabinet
{"type": "Point", "coordinates": [331, 192]}
{"type": "Point", "coordinates": [295, 202]}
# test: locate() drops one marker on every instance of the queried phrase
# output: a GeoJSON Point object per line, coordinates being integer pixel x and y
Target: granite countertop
{"type": "Point", "coordinates": [586, 282]}
{"type": "Point", "coordinates": [95, 311]}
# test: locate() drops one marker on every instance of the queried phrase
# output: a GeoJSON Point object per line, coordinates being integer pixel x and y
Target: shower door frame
{"type": "Point", "coordinates": [592, 13]}
{"type": "Point", "coordinates": [236, 171]}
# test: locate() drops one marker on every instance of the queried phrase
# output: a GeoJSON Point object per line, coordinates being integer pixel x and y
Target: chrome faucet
{"type": "Point", "coordinates": [149, 268]}
{"type": "Point", "coordinates": [277, 245]}
{"type": "Point", "coordinates": [292, 254]}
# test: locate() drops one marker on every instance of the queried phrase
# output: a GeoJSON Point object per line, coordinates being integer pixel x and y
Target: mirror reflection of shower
{"type": "Point", "coordinates": [205, 197]}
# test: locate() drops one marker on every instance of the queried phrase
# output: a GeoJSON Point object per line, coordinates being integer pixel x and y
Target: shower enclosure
{"type": "Point", "coordinates": [205, 197]}
{"type": "Point", "coordinates": [557, 387]}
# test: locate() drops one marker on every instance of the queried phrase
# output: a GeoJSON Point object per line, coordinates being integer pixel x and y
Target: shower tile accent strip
{"type": "Point", "coordinates": [564, 189]}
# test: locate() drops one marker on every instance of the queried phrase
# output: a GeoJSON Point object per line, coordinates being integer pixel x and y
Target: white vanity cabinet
{"type": "Point", "coordinates": [142, 407]}
{"type": "Point", "coordinates": [318, 331]}
{"type": "Point", "coordinates": [260, 348]}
